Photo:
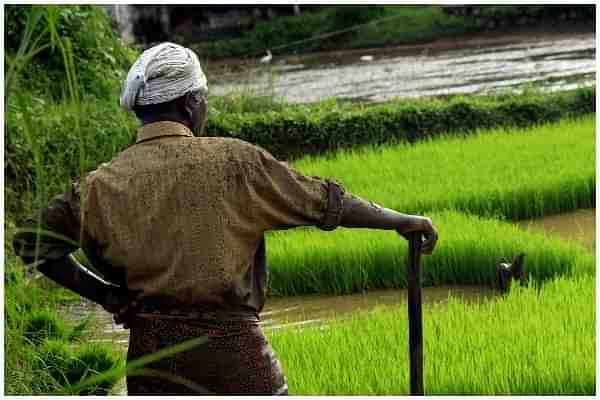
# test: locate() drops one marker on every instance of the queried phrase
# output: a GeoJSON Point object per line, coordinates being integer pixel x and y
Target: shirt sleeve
{"type": "Point", "coordinates": [55, 234]}
{"type": "Point", "coordinates": [281, 197]}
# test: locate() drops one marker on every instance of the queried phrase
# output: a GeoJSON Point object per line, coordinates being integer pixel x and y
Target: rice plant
{"type": "Point", "coordinates": [352, 260]}
{"type": "Point", "coordinates": [531, 342]}
{"type": "Point", "coordinates": [512, 173]}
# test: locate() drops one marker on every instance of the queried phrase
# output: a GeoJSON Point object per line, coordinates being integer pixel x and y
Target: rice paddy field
{"type": "Point", "coordinates": [531, 342]}
{"type": "Point", "coordinates": [538, 339]}
{"type": "Point", "coordinates": [514, 173]}
{"type": "Point", "coordinates": [469, 247]}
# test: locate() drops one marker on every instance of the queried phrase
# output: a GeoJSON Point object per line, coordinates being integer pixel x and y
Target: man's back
{"type": "Point", "coordinates": [168, 211]}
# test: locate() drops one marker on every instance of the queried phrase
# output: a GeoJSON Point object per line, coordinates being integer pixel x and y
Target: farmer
{"type": "Point", "coordinates": [175, 225]}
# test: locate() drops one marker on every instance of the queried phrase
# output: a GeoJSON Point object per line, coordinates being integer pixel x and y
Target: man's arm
{"type": "Point", "coordinates": [282, 198]}
{"type": "Point", "coordinates": [359, 213]}
{"type": "Point", "coordinates": [50, 247]}
{"type": "Point", "coordinates": [68, 272]}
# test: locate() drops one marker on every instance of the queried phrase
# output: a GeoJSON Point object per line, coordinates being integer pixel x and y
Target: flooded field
{"type": "Point", "coordinates": [550, 62]}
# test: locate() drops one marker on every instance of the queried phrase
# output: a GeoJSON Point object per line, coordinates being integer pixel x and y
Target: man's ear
{"type": "Point", "coordinates": [185, 105]}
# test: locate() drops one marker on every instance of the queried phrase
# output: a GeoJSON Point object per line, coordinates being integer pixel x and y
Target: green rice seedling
{"type": "Point", "coordinates": [92, 360]}
{"type": "Point", "coordinates": [44, 324]}
{"type": "Point", "coordinates": [68, 367]}
{"type": "Point", "coordinates": [351, 260]}
{"type": "Point", "coordinates": [54, 357]}
{"type": "Point", "coordinates": [514, 173]}
{"type": "Point", "coordinates": [534, 341]}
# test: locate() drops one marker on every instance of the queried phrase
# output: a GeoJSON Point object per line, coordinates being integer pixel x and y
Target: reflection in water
{"type": "Point", "coordinates": [552, 62]}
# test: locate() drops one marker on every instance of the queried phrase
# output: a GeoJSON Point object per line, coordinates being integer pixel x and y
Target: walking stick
{"type": "Point", "coordinates": [415, 323]}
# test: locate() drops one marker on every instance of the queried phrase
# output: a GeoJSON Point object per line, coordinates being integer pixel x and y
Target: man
{"type": "Point", "coordinates": [176, 222]}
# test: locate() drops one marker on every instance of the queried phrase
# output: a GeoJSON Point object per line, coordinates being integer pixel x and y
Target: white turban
{"type": "Point", "coordinates": [162, 73]}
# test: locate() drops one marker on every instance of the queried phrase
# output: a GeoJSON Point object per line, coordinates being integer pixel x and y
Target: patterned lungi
{"type": "Point", "coordinates": [235, 359]}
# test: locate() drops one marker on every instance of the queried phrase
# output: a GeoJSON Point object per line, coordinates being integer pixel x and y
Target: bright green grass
{"type": "Point", "coordinates": [532, 342]}
{"type": "Point", "coordinates": [516, 173]}
{"type": "Point", "coordinates": [351, 260]}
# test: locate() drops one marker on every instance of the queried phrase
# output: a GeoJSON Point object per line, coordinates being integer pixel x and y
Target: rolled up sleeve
{"type": "Point", "coordinates": [281, 197]}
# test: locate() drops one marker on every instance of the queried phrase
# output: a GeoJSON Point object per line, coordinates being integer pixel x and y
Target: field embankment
{"type": "Point", "coordinates": [293, 131]}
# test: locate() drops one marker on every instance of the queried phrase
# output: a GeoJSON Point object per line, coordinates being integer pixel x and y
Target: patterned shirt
{"type": "Point", "coordinates": [181, 219]}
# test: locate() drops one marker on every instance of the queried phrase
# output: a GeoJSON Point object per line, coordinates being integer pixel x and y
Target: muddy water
{"type": "Point", "coordinates": [550, 61]}
{"type": "Point", "coordinates": [296, 311]}
{"type": "Point", "coordinates": [579, 225]}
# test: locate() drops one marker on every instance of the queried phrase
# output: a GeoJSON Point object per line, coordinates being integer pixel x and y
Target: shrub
{"type": "Point", "coordinates": [99, 56]}
{"type": "Point", "coordinates": [298, 130]}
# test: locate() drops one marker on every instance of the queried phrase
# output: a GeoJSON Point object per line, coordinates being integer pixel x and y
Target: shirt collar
{"type": "Point", "coordinates": [162, 128]}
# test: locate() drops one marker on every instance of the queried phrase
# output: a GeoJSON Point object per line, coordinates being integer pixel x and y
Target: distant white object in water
{"type": "Point", "coordinates": [366, 58]}
{"type": "Point", "coordinates": [267, 59]}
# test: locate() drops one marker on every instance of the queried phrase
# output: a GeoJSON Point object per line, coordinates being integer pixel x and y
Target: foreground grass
{"type": "Point", "coordinates": [531, 342]}
{"type": "Point", "coordinates": [352, 260]}
{"type": "Point", "coordinates": [43, 352]}
{"type": "Point", "coordinates": [514, 173]}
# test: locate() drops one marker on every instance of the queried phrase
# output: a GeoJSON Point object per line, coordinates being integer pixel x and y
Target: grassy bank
{"type": "Point", "coordinates": [532, 342]}
{"type": "Point", "coordinates": [514, 173]}
{"type": "Point", "coordinates": [351, 260]}
{"type": "Point", "coordinates": [63, 65]}
{"type": "Point", "coordinates": [292, 131]}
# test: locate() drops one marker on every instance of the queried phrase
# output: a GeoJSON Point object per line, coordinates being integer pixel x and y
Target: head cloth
{"type": "Point", "coordinates": [162, 73]}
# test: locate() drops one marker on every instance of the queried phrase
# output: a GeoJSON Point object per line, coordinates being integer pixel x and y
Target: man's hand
{"type": "Point", "coordinates": [425, 226]}
{"type": "Point", "coordinates": [115, 300]}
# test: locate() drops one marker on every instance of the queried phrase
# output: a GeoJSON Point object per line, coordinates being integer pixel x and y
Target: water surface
{"type": "Point", "coordinates": [579, 226]}
{"type": "Point", "coordinates": [550, 61]}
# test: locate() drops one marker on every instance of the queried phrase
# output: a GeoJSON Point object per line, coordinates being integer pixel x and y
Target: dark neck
{"type": "Point", "coordinates": [151, 118]}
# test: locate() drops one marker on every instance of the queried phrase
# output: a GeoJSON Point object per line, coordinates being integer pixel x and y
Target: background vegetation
{"type": "Point", "coordinates": [509, 173]}
{"type": "Point", "coordinates": [377, 26]}
{"type": "Point", "coordinates": [348, 261]}
{"type": "Point", "coordinates": [380, 26]}
{"type": "Point", "coordinates": [294, 131]}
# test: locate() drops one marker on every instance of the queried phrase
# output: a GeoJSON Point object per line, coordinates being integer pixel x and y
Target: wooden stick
{"type": "Point", "coordinates": [415, 321]}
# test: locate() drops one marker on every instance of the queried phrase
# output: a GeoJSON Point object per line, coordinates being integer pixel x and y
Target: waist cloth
{"type": "Point", "coordinates": [236, 358]}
